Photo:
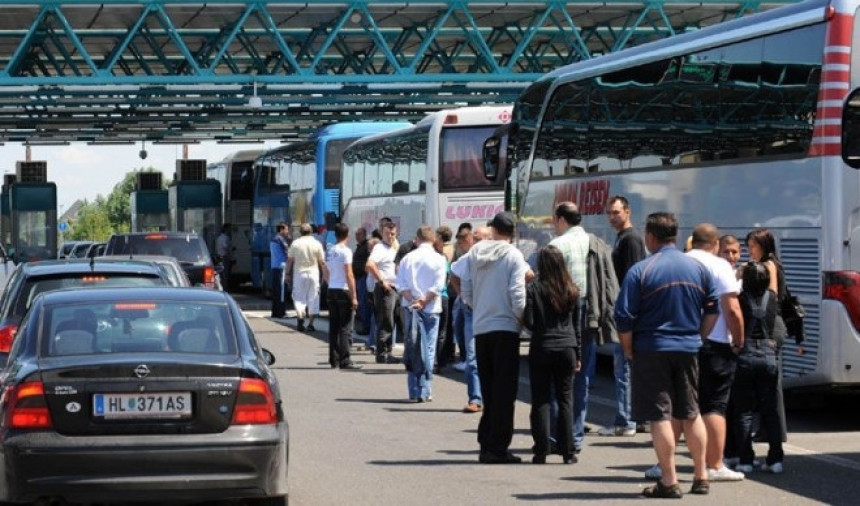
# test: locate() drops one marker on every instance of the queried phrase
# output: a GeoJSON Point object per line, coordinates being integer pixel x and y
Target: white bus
{"type": "Point", "coordinates": [430, 173]}
{"type": "Point", "coordinates": [751, 123]}
{"type": "Point", "coordinates": [236, 175]}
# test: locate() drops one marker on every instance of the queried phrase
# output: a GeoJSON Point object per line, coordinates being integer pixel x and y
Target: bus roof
{"type": "Point", "coordinates": [779, 19]}
{"type": "Point", "coordinates": [356, 128]}
{"type": "Point", "coordinates": [242, 156]}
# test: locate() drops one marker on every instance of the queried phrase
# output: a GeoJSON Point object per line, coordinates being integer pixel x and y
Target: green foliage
{"type": "Point", "coordinates": [107, 215]}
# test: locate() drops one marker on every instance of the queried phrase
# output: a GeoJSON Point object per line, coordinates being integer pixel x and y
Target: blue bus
{"type": "Point", "coordinates": [300, 183]}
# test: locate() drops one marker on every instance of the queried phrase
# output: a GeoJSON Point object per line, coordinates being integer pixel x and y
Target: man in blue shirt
{"type": "Point", "coordinates": [667, 302]}
{"type": "Point", "coordinates": [278, 249]}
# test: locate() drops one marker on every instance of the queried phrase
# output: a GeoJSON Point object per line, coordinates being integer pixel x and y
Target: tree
{"type": "Point", "coordinates": [93, 223]}
{"type": "Point", "coordinates": [118, 204]}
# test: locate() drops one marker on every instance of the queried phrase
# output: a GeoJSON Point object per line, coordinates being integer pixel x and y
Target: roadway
{"type": "Point", "coordinates": [355, 439]}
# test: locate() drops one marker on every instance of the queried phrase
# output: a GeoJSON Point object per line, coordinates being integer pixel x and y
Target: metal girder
{"type": "Point", "coordinates": [95, 65]}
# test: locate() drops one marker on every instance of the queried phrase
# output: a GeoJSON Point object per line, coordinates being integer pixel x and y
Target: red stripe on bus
{"type": "Point", "coordinates": [839, 30]}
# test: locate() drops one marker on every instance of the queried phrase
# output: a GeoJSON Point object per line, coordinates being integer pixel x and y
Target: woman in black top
{"type": "Point", "coordinates": [552, 308]}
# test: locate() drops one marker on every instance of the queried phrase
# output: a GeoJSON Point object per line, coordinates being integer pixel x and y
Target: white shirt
{"type": "Point", "coordinates": [222, 245]}
{"type": "Point", "coordinates": [383, 256]}
{"type": "Point", "coordinates": [423, 271]}
{"type": "Point", "coordinates": [725, 283]}
{"type": "Point", "coordinates": [339, 259]}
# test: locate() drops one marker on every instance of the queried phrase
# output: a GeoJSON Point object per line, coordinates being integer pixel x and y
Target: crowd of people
{"type": "Point", "coordinates": [695, 334]}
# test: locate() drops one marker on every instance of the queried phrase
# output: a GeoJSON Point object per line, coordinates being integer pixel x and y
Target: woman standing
{"type": "Point", "coordinates": [551, 312]}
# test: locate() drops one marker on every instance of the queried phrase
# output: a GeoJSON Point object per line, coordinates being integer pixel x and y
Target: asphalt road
{"type": "Point", "coordinates": [355, 439]}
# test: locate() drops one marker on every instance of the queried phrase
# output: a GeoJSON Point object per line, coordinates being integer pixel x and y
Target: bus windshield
{"type": "Point", "coordinates": [460, 158]}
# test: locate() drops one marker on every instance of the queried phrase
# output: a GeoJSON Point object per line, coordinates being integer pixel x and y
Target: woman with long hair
{"type": "Point", "coordinates": [552, 310]}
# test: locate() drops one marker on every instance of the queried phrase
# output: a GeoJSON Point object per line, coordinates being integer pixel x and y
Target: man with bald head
{"type": "Point", "coordinates": [718, 354]}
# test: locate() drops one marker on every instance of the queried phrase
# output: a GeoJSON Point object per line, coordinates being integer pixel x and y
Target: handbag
{"type": "Point", "coordinates": [793, 313]}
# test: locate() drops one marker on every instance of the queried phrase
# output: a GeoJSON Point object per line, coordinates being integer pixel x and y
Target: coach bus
{"type": "Point", "coordinates": [236, 175]}
{"type": "Point", "coordinates": [750, 123]}
{"type": "Point", "coordinates": [427, 174]}
{"type": "Point", "coordinates": [300, 183]}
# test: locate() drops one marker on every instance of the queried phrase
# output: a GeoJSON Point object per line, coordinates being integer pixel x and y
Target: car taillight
{"type": "Point", "coordinates": [209, 277]}
{"type": "Point", "coordinates": [844, 286]}
{"type": "Point", "coordinates": [26, 406]}
{"type": "Point", "coordinates": [255, 404]}
{"type": "Point", "coordinates": [7, 335]}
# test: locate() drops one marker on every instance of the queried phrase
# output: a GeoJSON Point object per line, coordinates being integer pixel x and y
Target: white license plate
{"type": "Point", "coordinates": [142, 405]}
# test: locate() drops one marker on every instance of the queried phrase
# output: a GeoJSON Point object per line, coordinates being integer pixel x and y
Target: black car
{"type": "Point", "coordinates": [30, 279]}
{"type": "Point", "coordinates": [153, 394]}
{"type": "Point", "coordinates": [188, 248]}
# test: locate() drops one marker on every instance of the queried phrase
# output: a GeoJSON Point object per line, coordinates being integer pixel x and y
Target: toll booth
{"type": "Point", "coordinates": [149, 204]}
{"type": "Point", "coordinates": [5, 215]}
{"type": "Point", "coordinates": [195, 202]}
{"type": "Point", "coordinates": [33, 213]}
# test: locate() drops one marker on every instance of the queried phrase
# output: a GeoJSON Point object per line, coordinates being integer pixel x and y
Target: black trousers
{"type": "Point", "coordinates": [279, 298]}
{"type": "Point", "coordinates": [383, 305]}
{"type": "Point", "coordinates": [339, 327]}
{"type": "Point", "coordinates": [498, 356]}
{"type": "Point", "coordinates": [444, 344]}
{"type": "Point", "coordinates": [551, 370]}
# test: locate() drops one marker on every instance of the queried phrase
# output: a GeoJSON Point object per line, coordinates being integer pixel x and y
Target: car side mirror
{"type": "Point", "coordinates": [491, 157]}
{"type": "Point", "coordinates": [268, 357]}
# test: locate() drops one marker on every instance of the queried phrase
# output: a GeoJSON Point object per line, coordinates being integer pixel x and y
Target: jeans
{"type": "Point", "coordinates": [580, 392]}
{"type": "Point", "coordinates": [364, 310]}
{"type": "Point", "coordinates": [419, 351]}
{"type": "Point", "coordinates": [340, 317]}
{"type": "Point", "coordinates": [279, 303]}
{"type": "Point", "coordinates": [473, 381]}
{"type": "Point", "coordinates": [622, 388]}
{"type": "Point", "coordinates": [755, 387]}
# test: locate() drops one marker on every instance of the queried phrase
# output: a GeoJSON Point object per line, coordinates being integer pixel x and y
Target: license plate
{"type": "Point", "coordinates": [142, 405]}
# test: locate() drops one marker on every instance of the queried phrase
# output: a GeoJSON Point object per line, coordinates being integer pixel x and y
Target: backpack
{"type": "Point", "coordinates": [759, 312]}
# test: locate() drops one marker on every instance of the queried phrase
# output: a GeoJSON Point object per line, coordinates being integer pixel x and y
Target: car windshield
{"type": "Point", "coordinates": [137, 327]}
{"type": "Point", "coordinates": [184, 248]}
{"type": "Point", "coordinates": [34, 286]}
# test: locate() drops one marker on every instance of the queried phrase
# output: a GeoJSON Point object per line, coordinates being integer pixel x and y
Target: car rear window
{"type": "Point", "coordinates": [34, 286]}
{"type": "Point", "coordinates": [185, 248]}
{"type": "Point", "coordinates": [138, 327]}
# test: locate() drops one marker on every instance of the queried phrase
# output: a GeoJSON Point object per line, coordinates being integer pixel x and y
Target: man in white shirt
{"type": "Point", "coordinates": [420, 281]}
{"type": "Point", "coordinates": [305, 260]}
{"type": "Point", "coordinates": [718, 355]}
{"type": "Point", "coordinates": [342, 300]}
{"type": "Point", "coordinates": [224, 251]}
{"type": "Point", "coordinates": [380, 268]}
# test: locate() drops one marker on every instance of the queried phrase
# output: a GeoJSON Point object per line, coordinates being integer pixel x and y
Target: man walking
{"type": "Point", "coordinates": [420, 281]}
{"type": "Point", "coordinates": [305, 261]}
{"type": "Point", "coordinates": [629, 249]}
{"type": "Point", "coordinates": [667, 302]}
{"type": "Point", "coordinates": [342, 299]}
{"type": "Point", "coordinates": [278, 247]}
{"type": "Point", "coordinates": [380, 268]}
{"type": "Point", "coordinates": [493, 283]}
{"type": "Point", "coordinates": [717, 357]}
{"type": "Point", "coordinates": [224, 252]}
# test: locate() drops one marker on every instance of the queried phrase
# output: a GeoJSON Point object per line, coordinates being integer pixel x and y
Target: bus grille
{"type": "Point", "coordinates": [800, 257]}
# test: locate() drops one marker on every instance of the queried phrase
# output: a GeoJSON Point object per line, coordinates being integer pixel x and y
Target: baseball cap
{"type": "Point", "coordinates": [503, 223]}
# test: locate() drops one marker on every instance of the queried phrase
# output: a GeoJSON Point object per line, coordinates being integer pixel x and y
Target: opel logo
{"type": "Point", "coordinates": [141, 371]}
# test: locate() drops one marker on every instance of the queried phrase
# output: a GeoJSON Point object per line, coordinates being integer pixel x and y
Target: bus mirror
{"type": "Point", "coordinates": [851, 131]}
{"type": "Point", "coordinates": [491, 156]}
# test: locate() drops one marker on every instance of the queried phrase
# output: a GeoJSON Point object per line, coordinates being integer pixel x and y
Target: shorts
{"type": "Point", "coordinates": [717, 364]}
{"type": "Point", "coordinates": [664, 386]}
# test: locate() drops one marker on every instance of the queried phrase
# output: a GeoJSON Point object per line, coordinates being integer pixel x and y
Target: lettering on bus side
{"type": "Point", "coordinates": [475, 211]}
{"type": "Point", "coordinates": [590, 195]}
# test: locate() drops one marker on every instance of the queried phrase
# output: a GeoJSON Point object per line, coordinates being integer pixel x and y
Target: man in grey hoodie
{"type": "Point", "coordinates": [493, 283]}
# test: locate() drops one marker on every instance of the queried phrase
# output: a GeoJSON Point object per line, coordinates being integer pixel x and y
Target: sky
{"type": "Point", "coordinates": [82, 171]}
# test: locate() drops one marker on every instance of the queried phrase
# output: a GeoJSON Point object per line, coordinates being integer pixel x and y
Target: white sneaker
{"type": "Point", "coordinates": [775, 468]}
{"type": "Point", "coordinates": [654, 472]}
{"type": "Point", "coordinates": [724, 474]}
{"type": "Point", "coordinates": [460, 366]}
{"type": "Point", "coordinates": [617, 431]}
{"type": "Point", "coordinates": [744, 468]}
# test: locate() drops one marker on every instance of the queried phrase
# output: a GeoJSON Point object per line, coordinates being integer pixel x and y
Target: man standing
{"type": "Point", "coordinates": [667, 302]}
{"type": "Point", "coordinates": [380, 267]}
{"type": "Point", "coordinates": [493, 283]}
{"type": "Point", "coordinates": [305, 262]}
{"type": "Point", "coordinates": [589, 263]}
{"type": "Point", "coordinates": [359, 260]}
{"type": "Point", "coordinates": [342, 299]}
{"type": "Point", "coordinates": [717, 357]}
{"type": "Point", "coordinates": [278, 247]}
{"type": "Point", "coordinates": [224, 251]}
{"type": "Point", "coordinates": [420, 281]}
{"type": "Point", "coordinates": [629, 249]}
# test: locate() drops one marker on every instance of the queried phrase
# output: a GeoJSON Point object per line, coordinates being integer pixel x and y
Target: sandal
{"type": "Point", "coordinates": [701, 487]}
{"type": "Point", "coordinates": [660, 491]}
